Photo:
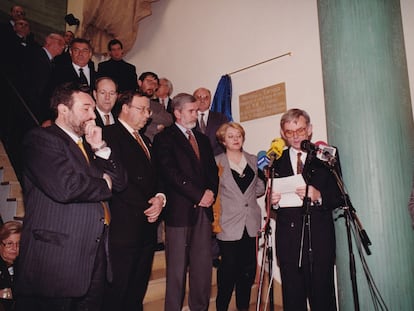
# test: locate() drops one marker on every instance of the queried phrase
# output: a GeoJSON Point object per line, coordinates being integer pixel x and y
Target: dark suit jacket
{"type": "Point", "coordinates": [185, 177]}
{"type": "Point", "coordinates": [129, 225]}
{"type": "Point", "coordinates": [39, 72]}
{"type": "Point", "coordinates": [215, 120]}
{"type": "Point", "coordinates": [289, 220]}
{"type": "Point", "coordinates": [64, 218]}
{"type": "Point", "coordinates": [66, 73]}
{"type": "Point", "coordinates": [122, 72]}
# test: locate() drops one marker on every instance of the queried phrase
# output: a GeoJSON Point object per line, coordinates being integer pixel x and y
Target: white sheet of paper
{"type": "Point", "coordinates": [287, 187]}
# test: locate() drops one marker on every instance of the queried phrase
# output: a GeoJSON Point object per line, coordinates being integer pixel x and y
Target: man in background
{"type": "Point", "coordinates": [79, 70]}
{"type": "Point", "coordinates": [69, 173]}
{"type": "Point", "coordinates": [160, 118]}
{"type": "Point", "coordinates": [123, 73]}
{"type": "Point", "coordinates": [209, 121]}
{"type": "Point", "coordinates": [105, 94]}
{"type": "Point", "coordinates": [64, 58]}
{"type": "Point", "coordinates": [39, 73]}
{"type": "Point", "coordinates": [163, 93]}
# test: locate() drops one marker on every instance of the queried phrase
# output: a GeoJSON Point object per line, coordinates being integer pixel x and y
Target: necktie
{"type": "Point", "coordinates": [299, 165]}
{"type": "Point", "coordinates": [142, 144]}
{"type": "Point", "coordinates": [163, 102]}
{"type": "Point", "coordinates": [82, 148]}
{"type": "Point", "coordinates": [107, 214]}
{"type": "Point", "coordinates": [107, 122]}
{"type": "Point", "coordinates": [193, 143]}
{"type": "Point", "coordinates": [82, 77]}
{"type": "Point", "coordinates": [202, 124]}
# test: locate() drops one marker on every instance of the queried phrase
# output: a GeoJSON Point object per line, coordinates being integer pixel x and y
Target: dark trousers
{"type": "Point", "coordinates": [237, 271]}
{"type": "Point", "coordinates": [91, 301]}
{"type": "Point", "coordinates": [131, 267]}
{"type": "Point", "coordinates": [298, 284]}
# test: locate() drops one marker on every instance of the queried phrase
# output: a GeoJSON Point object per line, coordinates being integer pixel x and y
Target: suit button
{"type": "Point", "coordinates": [292, 224]}
{"type": "Point", "coordinates": [246, 205]}
{"type": "Point", "coordinates": [102, 219]}
{"type": "Point", "coordinates": [98, 240]}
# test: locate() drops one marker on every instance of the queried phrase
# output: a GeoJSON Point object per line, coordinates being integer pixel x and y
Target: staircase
{"type": "Point", "coordinates": [11, 197]}
{"type": "Point", "coordinates": [154, 299]}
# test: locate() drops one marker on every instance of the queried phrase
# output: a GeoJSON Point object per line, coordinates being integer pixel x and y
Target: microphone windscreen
{"type": "Point", "coordinates": [306, 145]}
{"type": "Point", "coordinates": [321, 143]}
{"type": "Point", "coordinates": [262, 160]}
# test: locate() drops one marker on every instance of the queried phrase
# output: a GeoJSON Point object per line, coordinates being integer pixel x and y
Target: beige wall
{"type": "Point", "coordinates": [195, 42]}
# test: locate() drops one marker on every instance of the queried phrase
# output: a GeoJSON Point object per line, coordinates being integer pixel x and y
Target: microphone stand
{"type": "Point", "coordinates": [350, 219]}
{"type": "Point", "coordinates": [267, 245]}
{"type": "Point", "coordinates": [306, 222]}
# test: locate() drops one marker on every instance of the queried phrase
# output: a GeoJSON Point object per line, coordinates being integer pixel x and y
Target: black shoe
{"type": "Point", "coordinates": [160, 247]}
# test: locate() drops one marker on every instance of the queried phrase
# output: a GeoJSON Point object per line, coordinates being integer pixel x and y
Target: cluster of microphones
{"type": "Point", "coordinates": [320, 149]}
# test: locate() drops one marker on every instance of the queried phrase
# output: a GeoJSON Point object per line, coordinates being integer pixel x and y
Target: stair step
{"type": "Point", "coordinates": [15, 190]}
{"type": "Point", "coordinates": [8, 209]}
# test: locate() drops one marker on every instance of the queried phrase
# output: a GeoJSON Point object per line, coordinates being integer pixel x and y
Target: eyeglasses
{"type": "Point", "coordinates": [143, 109]}
{"type": "Point", "coordinates": [10, 244]}
{"type": "Point", "coordinates": [299, 132]}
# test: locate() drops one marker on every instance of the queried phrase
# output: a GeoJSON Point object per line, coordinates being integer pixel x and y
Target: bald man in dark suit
{"type": "Point", "coordinates": [212, 120]}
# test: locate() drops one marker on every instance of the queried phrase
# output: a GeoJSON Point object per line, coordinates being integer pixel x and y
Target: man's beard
{"type": "Point", "coordinates": [79, 129]}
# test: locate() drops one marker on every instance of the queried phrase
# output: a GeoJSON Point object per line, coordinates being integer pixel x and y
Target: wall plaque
{"type": "Point", "coordinates": [261, 103]}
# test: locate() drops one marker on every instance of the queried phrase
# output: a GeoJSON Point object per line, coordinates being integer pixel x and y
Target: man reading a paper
{"type": "Point", "coordinates": [305, 236]}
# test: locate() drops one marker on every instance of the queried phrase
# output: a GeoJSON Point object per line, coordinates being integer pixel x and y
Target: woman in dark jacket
{"type": "Point", "coordinates": [9, 250]}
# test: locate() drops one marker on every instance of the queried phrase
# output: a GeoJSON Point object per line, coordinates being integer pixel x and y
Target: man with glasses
{"type": "Point", "coordinates": [135, 211]}
{"type": "Point", "coordinates": [307, 271]}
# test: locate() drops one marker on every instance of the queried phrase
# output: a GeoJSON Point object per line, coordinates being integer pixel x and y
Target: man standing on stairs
{"type": "Point", "coordinates": [68, 175]}
{"type": "Point", "coordinates": [105, 93]}
{"type": "Point", "coordinates": [135, 210]}
{"type": "Point", "coordinates": [187, 167]}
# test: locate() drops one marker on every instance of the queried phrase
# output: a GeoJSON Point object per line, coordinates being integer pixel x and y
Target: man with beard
{"type": "Point", "coordinates": [187, 167]}
{"type": "Point", "coordinates": [148, 83]}
{"type": "Point", "coordinates": [69, 173]}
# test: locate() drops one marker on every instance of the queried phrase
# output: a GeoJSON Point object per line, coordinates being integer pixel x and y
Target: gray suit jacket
{"type": "Point", "coordinates": [238, 210]}
{"type": "Point", "coordinates": [160, 116]}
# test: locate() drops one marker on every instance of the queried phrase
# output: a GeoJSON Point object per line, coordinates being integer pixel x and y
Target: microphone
{"type": "Point", "coordinates": [262, 160]}
{"type": "Point", "coordinates": [276, 148]}
{"type": "Point", "coordinates": [323, 151]}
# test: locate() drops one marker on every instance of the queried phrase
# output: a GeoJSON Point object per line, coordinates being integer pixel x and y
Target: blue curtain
{"type": "Point", "coordinates": [222, 97]}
